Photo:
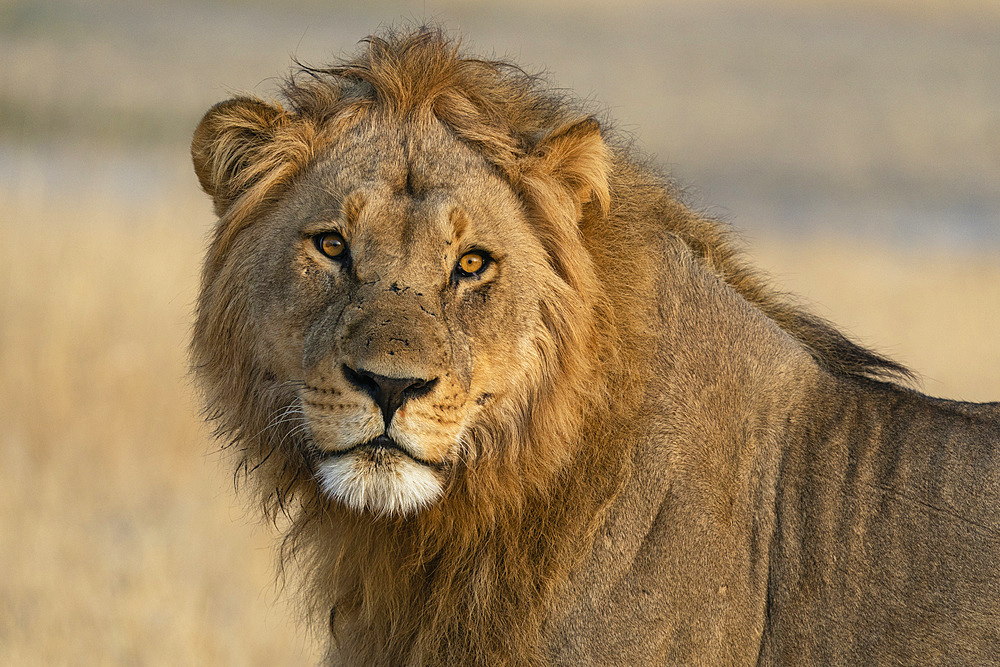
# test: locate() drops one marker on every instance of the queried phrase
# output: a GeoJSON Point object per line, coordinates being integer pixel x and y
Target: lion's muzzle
{"type": "Point", "coordinates": [385, 404]}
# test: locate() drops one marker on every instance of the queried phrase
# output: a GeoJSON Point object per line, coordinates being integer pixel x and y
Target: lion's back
{"type": "Point", "coordinates": [887, 536]}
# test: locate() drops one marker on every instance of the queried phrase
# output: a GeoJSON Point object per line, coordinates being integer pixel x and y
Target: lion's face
{"type": "Point", "coordinates": [396, 285]}
{"type": "Point", "coordinates": [397, 306]}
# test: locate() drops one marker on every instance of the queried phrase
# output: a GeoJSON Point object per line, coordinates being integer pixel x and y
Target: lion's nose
{"type": "Point", "coordinates": [387, 392]}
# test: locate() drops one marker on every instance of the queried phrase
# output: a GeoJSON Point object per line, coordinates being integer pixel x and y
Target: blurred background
{"type": "Point", "coordinates": [856, 144]}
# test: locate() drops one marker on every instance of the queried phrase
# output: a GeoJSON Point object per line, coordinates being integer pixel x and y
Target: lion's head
{"type": "Point", "coordinates": [397, 280]}
{"type": "Point", "coordinates": [422, 306]}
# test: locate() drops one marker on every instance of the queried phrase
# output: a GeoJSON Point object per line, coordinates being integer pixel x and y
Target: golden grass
{"type": "Point", "coordinates": [119, 541]}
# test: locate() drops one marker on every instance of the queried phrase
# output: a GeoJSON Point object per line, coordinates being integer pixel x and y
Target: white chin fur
{"type": "Point", "coordinates": [401, 487]}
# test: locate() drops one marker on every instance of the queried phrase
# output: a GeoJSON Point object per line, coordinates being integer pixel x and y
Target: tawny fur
{"type": "Point", "coordinates": [665, 385]}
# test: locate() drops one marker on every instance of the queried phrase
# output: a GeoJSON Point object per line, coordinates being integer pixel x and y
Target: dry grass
{"type": "Point", "coordinates": [119, 541]}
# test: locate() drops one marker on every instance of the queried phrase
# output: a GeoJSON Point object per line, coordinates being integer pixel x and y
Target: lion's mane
{"type": "Point", "coordinates": [471, 578]}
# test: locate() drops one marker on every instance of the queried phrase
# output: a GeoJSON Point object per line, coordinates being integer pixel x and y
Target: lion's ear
{"type": "Point", "coordinates": [577, 159]}
{"type": "Point", "coordinates": [230, 148]}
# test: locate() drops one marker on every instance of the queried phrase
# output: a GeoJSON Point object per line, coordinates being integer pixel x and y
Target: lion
{"type": "Point", "coordinates": [520, 405]}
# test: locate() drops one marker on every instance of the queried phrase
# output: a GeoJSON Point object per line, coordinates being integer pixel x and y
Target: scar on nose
{"type": "Point", "coordinates": [396, 289]}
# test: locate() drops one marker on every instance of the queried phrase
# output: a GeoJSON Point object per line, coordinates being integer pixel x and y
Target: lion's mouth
{"type": "Point", "coordinates": [381, 444]}
{"type": "Point", "coordinates": [379, 449]}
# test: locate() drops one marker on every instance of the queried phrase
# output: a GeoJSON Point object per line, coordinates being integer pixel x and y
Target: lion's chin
{"type": "Point", "coordinates": [382, 482]}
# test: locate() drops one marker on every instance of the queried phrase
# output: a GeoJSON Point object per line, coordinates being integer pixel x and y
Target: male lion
{"type": "Point", "coordinates": [521, 406]}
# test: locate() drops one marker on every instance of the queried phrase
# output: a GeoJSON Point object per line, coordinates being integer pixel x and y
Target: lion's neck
{"type": "Point", "coordinates": [459, 581]}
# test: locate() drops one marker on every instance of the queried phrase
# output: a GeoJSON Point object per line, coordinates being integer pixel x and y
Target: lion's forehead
{"type": "Point", "coordinates": [416, 159]}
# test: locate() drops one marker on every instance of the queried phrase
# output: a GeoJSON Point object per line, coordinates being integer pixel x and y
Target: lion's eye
{"type": "Point", "coordinates": [330, 244]}
{"type": "Point", "coordinates": [472, 263]}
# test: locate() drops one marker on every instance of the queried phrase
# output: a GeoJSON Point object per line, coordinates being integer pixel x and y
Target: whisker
{"type": "Point", "coordinates": [283, 416]}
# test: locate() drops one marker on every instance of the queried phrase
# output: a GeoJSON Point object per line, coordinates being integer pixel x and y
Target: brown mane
{"type": "Point", "coordinates": [483, 565]}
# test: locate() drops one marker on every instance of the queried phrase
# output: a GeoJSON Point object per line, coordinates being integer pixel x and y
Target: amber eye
{"type": "Point", "coordinates": [330, 244]}
{"type": "Point", "coordinates": [471, 263]}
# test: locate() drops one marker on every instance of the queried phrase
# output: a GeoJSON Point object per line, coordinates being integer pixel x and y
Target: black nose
{"type": "Point", "coordinates": [388, 393]}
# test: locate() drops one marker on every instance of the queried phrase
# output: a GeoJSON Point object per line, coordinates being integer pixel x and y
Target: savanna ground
{"type": "Point", "coordinates": [121, 539]}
